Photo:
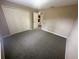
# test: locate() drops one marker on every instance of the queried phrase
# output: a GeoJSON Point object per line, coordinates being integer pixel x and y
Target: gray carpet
{"type": "Point", "coordinates": [34, 44]}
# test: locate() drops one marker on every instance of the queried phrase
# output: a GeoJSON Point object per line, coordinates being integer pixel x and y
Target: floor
{"type": "Point", "coordinates": [34, 44]}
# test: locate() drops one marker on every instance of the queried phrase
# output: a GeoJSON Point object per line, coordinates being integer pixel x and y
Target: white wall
{"type": "Point", "coordinates": [72, 44]}
{"type": "Point", "coordinates": [18, 19]}
{"type": "Point", "coordinates": [35, 20]}
{"type": "Point", "coordinates": [59, 20]}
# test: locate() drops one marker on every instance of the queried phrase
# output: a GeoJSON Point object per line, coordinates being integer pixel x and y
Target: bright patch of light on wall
{"type": "Point", "coordinates": [39, 3]}
{"type": "Point", "coordinates": [33, 3]}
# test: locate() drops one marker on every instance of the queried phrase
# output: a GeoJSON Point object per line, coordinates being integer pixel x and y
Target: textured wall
{"type": "Point", "coordinates": [59, 20]}
{"type": "Point", "coordinates": [18, 19]}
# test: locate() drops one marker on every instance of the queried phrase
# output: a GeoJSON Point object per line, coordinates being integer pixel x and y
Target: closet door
{"type": "Point", "coordinates": [18, 19]}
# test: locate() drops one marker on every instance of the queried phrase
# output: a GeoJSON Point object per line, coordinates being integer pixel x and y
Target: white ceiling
{"type": "Point", "coordinates": [42, 4]}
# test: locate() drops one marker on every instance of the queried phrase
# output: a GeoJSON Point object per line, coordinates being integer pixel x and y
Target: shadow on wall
{"type": "Point", "coordinates": [4, 31]}
{"type": "Point", "coordinates": [72, 44]}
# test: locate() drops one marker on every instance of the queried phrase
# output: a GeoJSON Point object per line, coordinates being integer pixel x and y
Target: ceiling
{"type": "Point", "coordinates": [42, 4]}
